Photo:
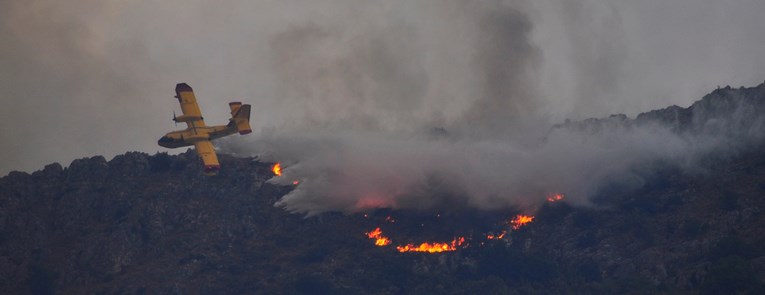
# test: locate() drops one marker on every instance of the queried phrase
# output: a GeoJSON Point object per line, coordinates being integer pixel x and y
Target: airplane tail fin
{"type": "Point", "coordinates": [240, 117]}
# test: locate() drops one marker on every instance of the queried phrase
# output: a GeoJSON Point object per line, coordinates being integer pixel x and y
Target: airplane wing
{"type": "Point", "coordinates": [206, 151]}
{"type": "Point", "coordinates": [191, 113]}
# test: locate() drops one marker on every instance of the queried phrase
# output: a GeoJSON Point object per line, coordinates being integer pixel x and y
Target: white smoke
{"type": "Point", "coordinates": [342, 169]}
{"type": "Point", "coordinates": [445, 108]}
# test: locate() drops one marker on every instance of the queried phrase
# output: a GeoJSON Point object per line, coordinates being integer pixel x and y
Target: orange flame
{"type": "Point", "coordinates": [520, 220]}
{"type": "Point", "coordinates": [277, 169]}
{"type": "Point", "coordinates": [433, 247]}
{"type": "Point", "coordinates": [496, 237]}
{"type": "Point", "coordinates": [380, 240]}
{"type": "Point", "coordinates": [555, 198]}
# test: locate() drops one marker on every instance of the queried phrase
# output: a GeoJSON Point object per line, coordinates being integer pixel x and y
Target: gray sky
{"type": "Point", "coordinates": [97, 77]}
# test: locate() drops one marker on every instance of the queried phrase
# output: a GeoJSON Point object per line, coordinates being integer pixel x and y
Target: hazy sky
{"type": "Point", "coordinates": [97, 77]}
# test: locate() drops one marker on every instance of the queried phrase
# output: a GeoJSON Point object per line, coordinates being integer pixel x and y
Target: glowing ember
{"type": "Point", "coordinates": [295, 182]}
{"type": "Point", "coordinates": [555, 198]}
{"type": "Point", "coordinates": [433, 247]}
{"type": "Point", "coordinates": [380, 240]}
{"type": "Point", "coordinates": [520, 220]}
{"type": "Point", "coordinates": [277, 169]}
{"type": "Point", "coordinates": [497, 237]}
{"type": "Point", "coordinates": [389, 219]}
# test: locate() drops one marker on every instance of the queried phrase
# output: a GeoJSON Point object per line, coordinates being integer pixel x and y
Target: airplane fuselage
{"type": "Point", "coordinates": [189, 136]}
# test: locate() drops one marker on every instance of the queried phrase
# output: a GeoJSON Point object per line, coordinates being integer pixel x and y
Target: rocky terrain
{"type": "Point", "coordinates": [153, 224]}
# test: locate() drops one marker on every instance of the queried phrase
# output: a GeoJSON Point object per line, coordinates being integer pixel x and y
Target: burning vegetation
{"type": "Point", "coordinates": [380, 240]}
{"type": "Point", "coordinates": [513, 224]}
{"type": "Point", "coordinates": [427, 247]}
{"type": "Point", "coordinates": [277, 169]}
{"type": "Point", "coordinates": [433, 247]}
{"type": "Point", "coordinates": [497, 236]}
{"type": "Point", "coordinates": [555, 197]}
{"type": "Point", "coordinates": [520, 220]}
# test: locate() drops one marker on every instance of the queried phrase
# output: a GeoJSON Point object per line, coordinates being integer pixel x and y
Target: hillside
{"type": "Point", "coordinates": [147, 224]}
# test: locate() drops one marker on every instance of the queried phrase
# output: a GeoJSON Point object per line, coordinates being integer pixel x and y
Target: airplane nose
{"type": "Point", "coordinates": [164, 141]}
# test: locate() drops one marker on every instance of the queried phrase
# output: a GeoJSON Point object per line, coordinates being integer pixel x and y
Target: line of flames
{"type": "Point", "coordinates": [433, 247]}
{"type": "Point", "coordinates": [515, 223]}
{"type": "Point", "coordinates": [381, 240]}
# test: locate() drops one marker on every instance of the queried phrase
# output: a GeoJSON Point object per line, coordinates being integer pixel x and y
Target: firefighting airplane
{"type": "Point", "coordinates": [199, 134]}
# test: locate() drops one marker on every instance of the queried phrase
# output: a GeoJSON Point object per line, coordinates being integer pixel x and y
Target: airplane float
{"type": "Point", "coordinates": [200, 135]}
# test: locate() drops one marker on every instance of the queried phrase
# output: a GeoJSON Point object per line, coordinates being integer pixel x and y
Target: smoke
{"type": "Point", "coordinates": [457, 62]}
{"type": "Point", "coordinates": [377, 103]}
{"type": "Point", "coordinates": [388, 105]}
{"type": "Point", "coordinates": [391, 117]}
{"type": "Point", "coordinates": [342, 169]}
{"type": "Point", "coordinates": [608, 57]}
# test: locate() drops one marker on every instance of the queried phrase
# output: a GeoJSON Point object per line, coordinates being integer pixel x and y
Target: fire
{"type": "Point", "coordinates": [277, 169]}
{"type": "Point", "coordinates": [295, 182]}
{"type": "Point", "coordinates": [555, 198]}
{"type": "Point", "coordinates": [433, 247]}
{"type": "Point", "coordinates": [380, 240]}
{"type": "Point", "coordinates": [520, 220]}
{"type": "Point", "coordinates": [428, 247]}
{"type": "Point", "coordinates": [496, 237]}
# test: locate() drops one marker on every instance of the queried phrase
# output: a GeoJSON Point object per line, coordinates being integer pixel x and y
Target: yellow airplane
{"type": "Point", "coordinates": [200, 135]}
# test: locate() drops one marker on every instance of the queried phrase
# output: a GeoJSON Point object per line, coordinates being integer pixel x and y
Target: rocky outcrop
{"type": "Point", "coordinates": [727, 111]}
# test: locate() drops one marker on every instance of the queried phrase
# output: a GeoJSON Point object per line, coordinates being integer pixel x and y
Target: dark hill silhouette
{"type": "Point", "coordinates": [153, 224]}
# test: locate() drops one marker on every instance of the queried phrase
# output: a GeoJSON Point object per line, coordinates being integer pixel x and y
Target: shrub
{"type": "Point", "coordinates": [694, 228]}
{"type": "Point", "coordinates": [313, 284]}
{"type": "Point", "coordinates": [41, 281]}
{"type": "Point", "coordinates": [513, 265]}
{"type": "Point", "coordinates": [733, 245]}
{"type": "Point", "coordinates": [588, 239]}
{"type": "Point", "coordinates": [160, 162]}
{"type": "Point", "coordinates": [729, 201]}
{"type": "Point", "coordinates": [584, 219]}
{"type": "Point", "coordinates": [729, 275]}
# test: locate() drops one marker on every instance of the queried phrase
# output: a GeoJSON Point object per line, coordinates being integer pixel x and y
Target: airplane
{"type": "Point", "coordinates": [200, 135]}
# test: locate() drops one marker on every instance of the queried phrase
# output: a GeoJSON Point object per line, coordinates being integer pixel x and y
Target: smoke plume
{"type": "Point", "coordinates": [404, 104]}
{"type": "Point", "coordinates": [394, 119]}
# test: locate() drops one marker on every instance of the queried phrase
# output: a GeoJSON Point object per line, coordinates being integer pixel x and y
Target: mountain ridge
{"type": "Point", "coordinates": [721, 103]}
{"type": "Point", "coordinates": [142, 223]}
